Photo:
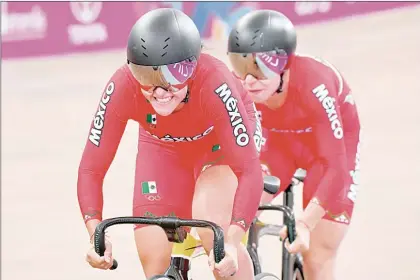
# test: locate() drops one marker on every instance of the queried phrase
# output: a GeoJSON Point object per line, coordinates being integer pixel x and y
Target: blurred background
{"type": "Point", "coordinates": [57, 58]}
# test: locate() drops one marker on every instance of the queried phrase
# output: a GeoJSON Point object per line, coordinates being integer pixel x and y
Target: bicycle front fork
{"type": "Point", "coordinates": [183, 266]}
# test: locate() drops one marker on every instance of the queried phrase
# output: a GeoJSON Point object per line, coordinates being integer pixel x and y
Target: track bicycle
{"type": "Point", "coordinates": [182, 254]}
{"type": "Point", "coordinates": [292, 265]}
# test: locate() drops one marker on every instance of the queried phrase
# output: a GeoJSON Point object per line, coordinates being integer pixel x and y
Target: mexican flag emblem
{"type": "Point", "coordinates": [148, 187]}
{"type": "Point", "coordinates": [151, 120]}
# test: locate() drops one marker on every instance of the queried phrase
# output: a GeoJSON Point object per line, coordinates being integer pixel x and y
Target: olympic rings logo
{"type": "Point", "coordinates": [153, 197]}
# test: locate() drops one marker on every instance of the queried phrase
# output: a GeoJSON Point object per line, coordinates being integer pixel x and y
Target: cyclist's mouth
{"type": "Point", "coordinates": [163, 100]}
{"type": "Point", "coordinates": [255, 91]}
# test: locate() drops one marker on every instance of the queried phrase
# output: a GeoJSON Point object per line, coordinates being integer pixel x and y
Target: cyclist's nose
{"type": "Point", "coordinates": [250, 80]}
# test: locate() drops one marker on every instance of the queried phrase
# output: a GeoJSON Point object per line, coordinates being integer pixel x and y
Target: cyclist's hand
{"type": "Point", "coordinates": [229, 264]}
{"type": "Point", "coordinates": [301, 243]}
{"type": "Point", "coordinates": [104, 262]}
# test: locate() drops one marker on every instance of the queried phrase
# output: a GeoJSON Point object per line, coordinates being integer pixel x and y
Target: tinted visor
{"type": "Point", "coordinates": [263, 65]}
{"type": "Point", "coordinates": [171, 76]}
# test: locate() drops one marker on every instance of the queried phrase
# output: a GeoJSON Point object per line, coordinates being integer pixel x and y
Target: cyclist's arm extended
{"type": "Point", "coordinates": [221, 101]}
{"type": "Point", "coordinates": [105, 133]}
{"type": "Point", "coordinates": [328, 173]}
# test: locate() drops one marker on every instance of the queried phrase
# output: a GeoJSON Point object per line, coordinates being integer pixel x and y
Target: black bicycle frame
{"type": "Point", "coordinates": [259, 229]}
{"type": "Point", "coordinates": [183, 265]}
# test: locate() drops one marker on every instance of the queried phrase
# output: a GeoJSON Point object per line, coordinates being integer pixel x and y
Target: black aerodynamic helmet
{"type": "Point", "coordinates": [262, 43]}
{"type": "Point", "coordinates": [262, 31]}
{"type": "Point", "coordinates": [163, 36]}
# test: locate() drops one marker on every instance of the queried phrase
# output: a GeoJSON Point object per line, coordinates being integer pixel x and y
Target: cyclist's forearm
{"type": "Point", "coordinates": [248, 194]}
{"type": "Point", "coordinates": [90, 195]}
{"type": "Point", "coordinates": [235, 235]}
{"type": "Point", "coordinates": [312, 215]}
{"type": "Point", "coordinates": [91, 226]}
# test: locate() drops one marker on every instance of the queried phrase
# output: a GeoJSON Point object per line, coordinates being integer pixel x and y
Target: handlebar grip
{"type": "Point", "coordinates": [291, 230]}
{"type": "Point", "coordinates": [219, 244]}
{"type": "Point", "coordinates": [290, 221]}
{"type": "Point", "coordinates": [99, 244]}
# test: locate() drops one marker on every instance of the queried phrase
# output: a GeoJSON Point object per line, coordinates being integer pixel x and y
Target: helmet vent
{"type": "Point", "coordinates": [253, 40]}
{"type": "Point", "coordinates": [255, 37]}
{"type": "Point", "coordinates": [237, 38]}
{"type": "Point", "coordinates": [143, 46]}
{"type": "Point", "coordinates": [166, 40]}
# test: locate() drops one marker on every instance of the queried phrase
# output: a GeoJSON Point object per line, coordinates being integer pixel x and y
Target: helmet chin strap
{"type": "Point", "coordinates": [187, 96]}
{"type": "Point", "coordinates": [280, 88]}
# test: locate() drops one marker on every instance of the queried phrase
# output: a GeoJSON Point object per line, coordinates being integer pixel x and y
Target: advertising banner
{"type": "Point", "coordinates": [30, 29]}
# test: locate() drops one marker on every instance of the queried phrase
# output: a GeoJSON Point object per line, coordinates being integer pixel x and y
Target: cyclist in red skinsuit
{"type": "Point", "coordinates": [309, 121]}
{"type": "Point", "coordinates": [312, 122]}
{"type": "Point", "coordinates": [206, 122]}
{"type": "Point", "coordinates": [192, 113]}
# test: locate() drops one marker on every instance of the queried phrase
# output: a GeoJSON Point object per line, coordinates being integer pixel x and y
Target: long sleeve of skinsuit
{"type": "Point", "coordinates": [107, 128]}
{"type": "Point", "coordinates": [235, 127]}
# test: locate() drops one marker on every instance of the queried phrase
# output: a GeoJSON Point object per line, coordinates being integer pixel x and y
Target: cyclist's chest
{"type": "Point", "coordinates": [289, 119]}
{"type": "Point", "coordinates": [185, 125]}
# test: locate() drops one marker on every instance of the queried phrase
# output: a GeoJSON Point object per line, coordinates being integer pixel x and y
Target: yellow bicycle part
{"type": "Point", "coordinates": [192, 247]}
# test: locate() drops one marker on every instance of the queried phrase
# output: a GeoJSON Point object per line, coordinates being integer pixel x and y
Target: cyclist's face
{"type": "Point", "coordinates": [163, 97]}
{"type": "Point", "coordinates": [260, 90]}
{"type": "Point", "coordinates": [260, 73]}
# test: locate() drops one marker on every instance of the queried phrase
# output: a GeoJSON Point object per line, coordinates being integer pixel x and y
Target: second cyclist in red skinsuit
{"type": "Point", "coordinates": [193, 113]}
{"type": "Point", "coordinates": [319, 125]}
{"type": "Point", "coordinates": [309, 121]}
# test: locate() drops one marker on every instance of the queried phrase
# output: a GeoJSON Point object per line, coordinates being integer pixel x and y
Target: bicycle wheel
{"type": "Point", "coordinates": [298, 270]}
{"type": "Point", "coordinates": [266, 276]}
